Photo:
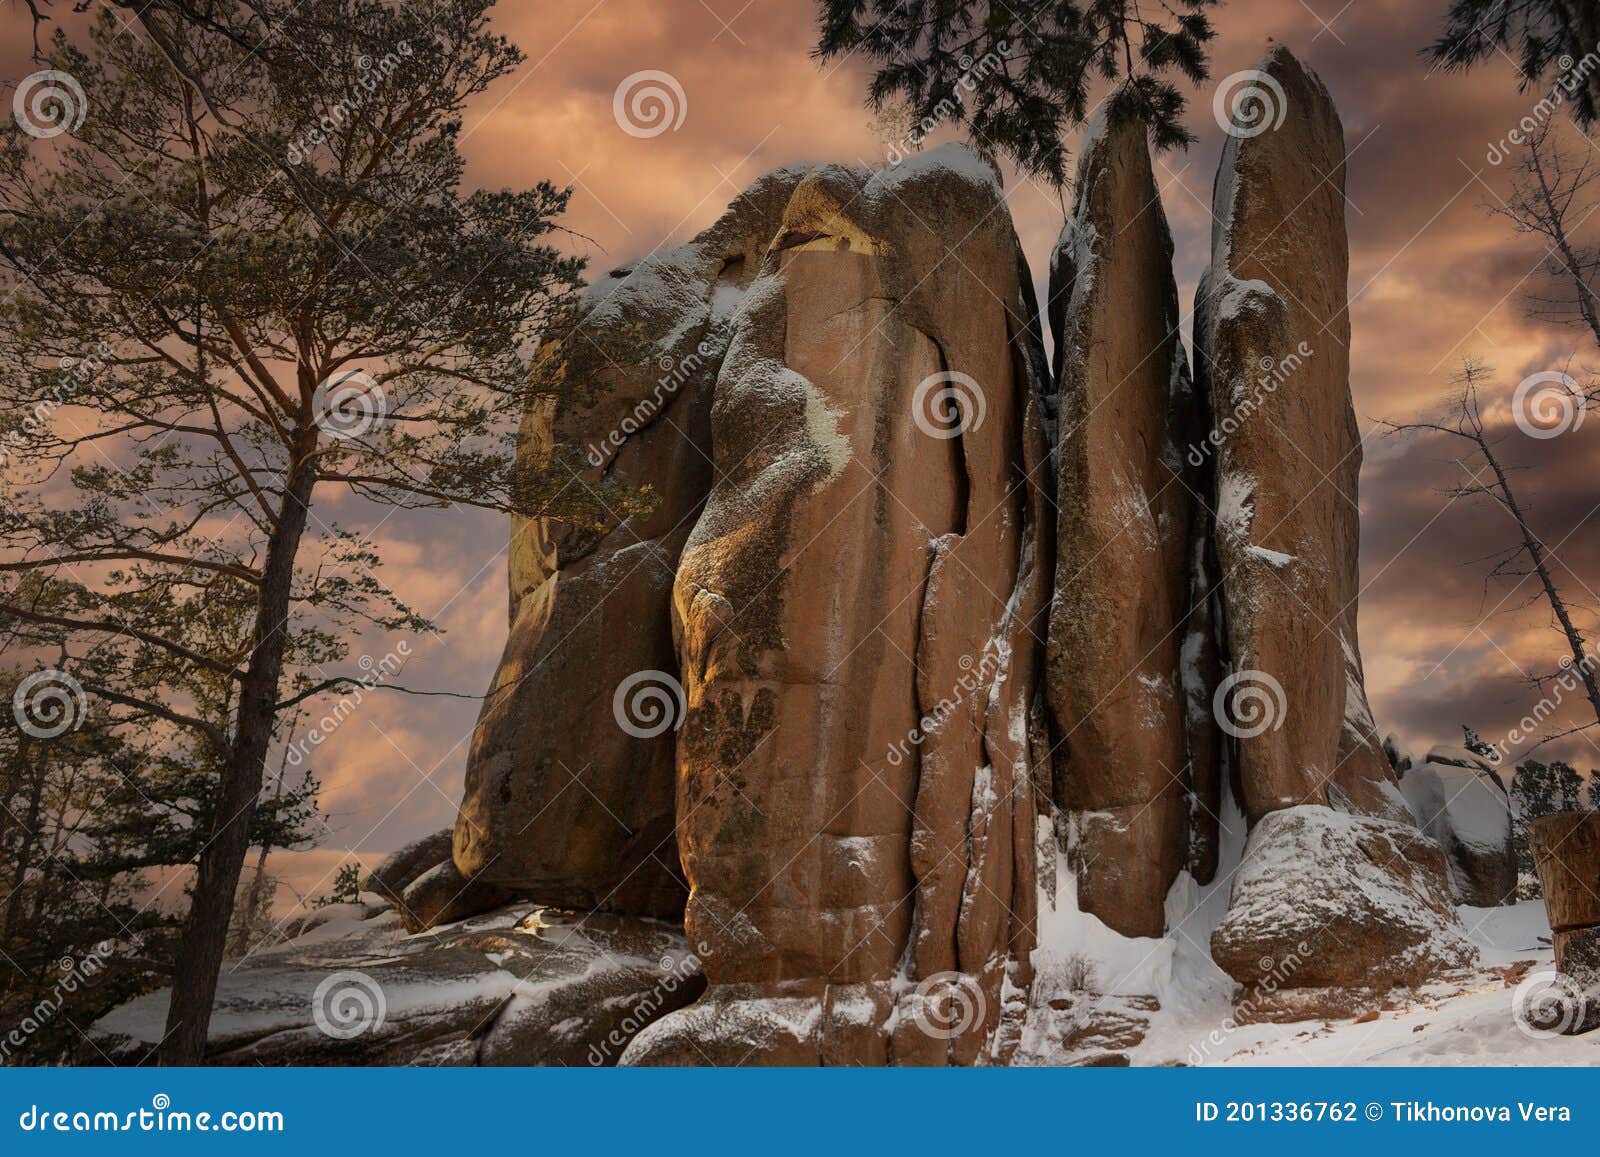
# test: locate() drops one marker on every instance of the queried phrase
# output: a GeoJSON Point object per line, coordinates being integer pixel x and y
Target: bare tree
{"type": "Point", "coordinates": [1489, 475]}
{"type": "Point", "coordinates": [1552, 195]}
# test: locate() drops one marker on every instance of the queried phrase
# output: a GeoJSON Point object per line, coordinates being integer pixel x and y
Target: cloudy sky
{"type": "Point", "coordinates": [1433, 276]}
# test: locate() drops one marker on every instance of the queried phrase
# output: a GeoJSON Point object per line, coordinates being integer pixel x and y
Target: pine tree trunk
{"type": "Point", "coordinates": [194, 981]}
{"type": "Point", "coordinates": [29, 832]}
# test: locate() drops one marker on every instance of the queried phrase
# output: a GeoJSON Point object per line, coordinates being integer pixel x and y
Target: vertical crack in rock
{"type": "Point", "coordinates": [852, 898]}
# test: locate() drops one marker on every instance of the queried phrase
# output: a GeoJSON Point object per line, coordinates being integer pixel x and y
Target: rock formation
{"type": "Point", "coordinates": [1272, 337]}
{"type": "Point", "coordinates": [1460, 802]}
{"type": "Point", "coordinates": [1329, 900]}
{"type": "Point", "coordinates": [857, 612]}
{"type": "Point", "coordinates": [1274, 357]}
{"type": "Point", "coordinates": [391, 878]}
{"type": "Point", "coordinates": [1128, 508]}
{"type": "Point", "coordinates": [909, 595]}
{"type": "Point", "coordinates": [562, 802]}
{"type": "Point", "coordinates": [919, 650]}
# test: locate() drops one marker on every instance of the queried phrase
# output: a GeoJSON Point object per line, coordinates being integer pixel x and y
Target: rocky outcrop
{"type": "Point", "coordinates": [569, 794]}
{"type": "Point", "coordinates": [391, 878]}
{"type": "Point", "coordinates": [442, 895]}
{"type": "Point", "coordinates": [1460, 802]}
{"type": "Point", "coordinates": [856, 613]}
{"type": "Point", "coordinates": [519, 986]}
{"type": "Point", "coordinates": [911, 623]}
{"type": "Point", "coordinates": [1127, 511]}
{"type": "Point", "coordinates": [1334, 858]}
{"type": "Point", "coordinates": [1566, 853]}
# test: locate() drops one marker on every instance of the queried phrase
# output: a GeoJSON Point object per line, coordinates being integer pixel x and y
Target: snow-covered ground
{"type": "Point", "coordinates": [1467, 1022]}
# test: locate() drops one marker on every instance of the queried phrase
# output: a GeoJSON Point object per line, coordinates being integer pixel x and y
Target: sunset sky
{"type": "Point", "coordinates": [1433, 276]}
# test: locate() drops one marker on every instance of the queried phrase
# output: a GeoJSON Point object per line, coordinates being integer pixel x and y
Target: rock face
{"type": "Point", "coordinates": [1127, 513]}
{"type": "Point", "coordinates": [518, 986]}
{"type": "Point", "coordinates": [1274, 352]}
{"type": "Point", "coordinates": [1566, 852]}
{"type": "Point", "coordinates": [1272, 337]}
{"type": "Point", "coordinates": [441, 895]}
{"type": "Point", "coordinates": [857, 613]}
{"type": "Point", "coordinates": [569, 795]}
{"type": "Point", "coordinates": [1459, 801]}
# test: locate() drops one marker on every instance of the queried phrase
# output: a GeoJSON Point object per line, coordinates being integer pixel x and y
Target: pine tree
{"type": "Point", "coordinates": [264, 284]}
{"type": "Point", "coordinates": [346, 887]}
{"type": "Point", "coordinates": [1551, 39]}
{"type": "Point", "coordinates": [1018, 74]}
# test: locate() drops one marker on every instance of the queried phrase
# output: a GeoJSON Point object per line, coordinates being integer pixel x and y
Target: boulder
{"type": "Point", "coordinates": [515, 986]}
{"type": "Point", "coordinates": [1126, 511]}
{"type": "Point", "coordinates": [569, 784]}
{"type": "Point", "coordinates": [1275, 352]}
{"type": "Point", "coordinates": [1328, 899]}
{"type": "Point", "coordinates": [1466, 808]}
{"type": "Point", "coordinates": [442, 895]}
{"type": "Point", "coordinates": [391, 878]}
{"type": "Point", "coordinates": [857, 613]}
{"type": "Point", "coordinates": [1566, 853]}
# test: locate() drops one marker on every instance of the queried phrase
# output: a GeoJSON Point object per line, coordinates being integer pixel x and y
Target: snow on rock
{"type": "Point", "coordinates": [1469, 1019]}
{"type": "Point", "coordinates": [1377, 913]}
{"type": "Point", "coordinates": [1458, 801]}
{"type": "Point", "coordinates": [520, 985]}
